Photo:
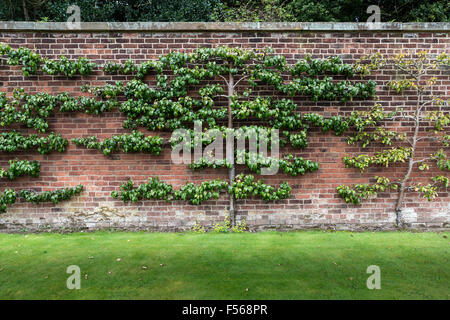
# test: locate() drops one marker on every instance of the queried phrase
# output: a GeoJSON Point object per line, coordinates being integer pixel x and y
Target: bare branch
{"type": "Point", "coordinates": [402, 117]}
{"type": "Point", "coordinates": [242, 78]}
{"type": "Point", "coordinates": [224, 79]}
{"type": "Point", "coordinates": [411, 142]}
{"type": "Point", "coordinates": [422, 160]}
{"type": "Point", "coordinates": [428, 137]}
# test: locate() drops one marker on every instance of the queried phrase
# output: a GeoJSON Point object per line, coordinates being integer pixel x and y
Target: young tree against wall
{"type": "Point", "coordinates": [414, 75]}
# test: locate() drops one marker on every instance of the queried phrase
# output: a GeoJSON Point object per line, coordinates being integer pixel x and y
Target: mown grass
{"type": "Point", "coordinates": [266, 265]}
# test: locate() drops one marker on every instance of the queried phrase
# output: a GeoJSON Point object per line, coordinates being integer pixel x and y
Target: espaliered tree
{"type": "Point", "coordinates": [227, 80]}
{"type": "Point", "coordinates": [33, 111]}
{"type": "Point", "coordinates": [430, 117]}
{"type": "Point", "coordinates": [13, 141]}
{"type": "Point", "coordinates": [216, 87]}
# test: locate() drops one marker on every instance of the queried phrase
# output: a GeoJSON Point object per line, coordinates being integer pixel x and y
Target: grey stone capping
{"type": "Point", "coordinates": [20, 26]}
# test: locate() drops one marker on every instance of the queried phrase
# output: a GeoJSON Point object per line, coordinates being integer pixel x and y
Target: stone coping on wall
{"type": "Point", "coordinates": [19, 26]}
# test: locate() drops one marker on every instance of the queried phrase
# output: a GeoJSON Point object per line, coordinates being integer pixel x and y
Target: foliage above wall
{"type": "Point", "coordinates": [225, 10]}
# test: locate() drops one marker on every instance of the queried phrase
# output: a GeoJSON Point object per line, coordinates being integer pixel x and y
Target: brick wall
{"type": "Point", "coordinates": [314, 201]}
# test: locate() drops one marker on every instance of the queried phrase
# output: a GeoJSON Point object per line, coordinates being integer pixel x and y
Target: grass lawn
{"type": "Point", "coordinates": [271, 265]}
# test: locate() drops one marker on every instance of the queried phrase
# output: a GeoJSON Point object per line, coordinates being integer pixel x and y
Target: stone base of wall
{"type": "Point", "coordinates": [41, 228]}
{"type": "Point", "coordinates": [105, 218]}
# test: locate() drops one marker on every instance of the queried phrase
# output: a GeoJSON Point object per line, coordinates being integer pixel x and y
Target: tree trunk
{"type": "Point", "coordinates": [398, 207]}
{"type": "Point", "coordinates": [230, 148]}
{"type": "Point", "coordinates": [403, 183]}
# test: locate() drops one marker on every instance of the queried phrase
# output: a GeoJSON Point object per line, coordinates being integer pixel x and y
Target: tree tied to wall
{"type": "Point", "coordinates": [226, 79]}
{"type": "Point", "coordinates": [414, 75]}
{"type": "Point", "coordinates": [33, 111]}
